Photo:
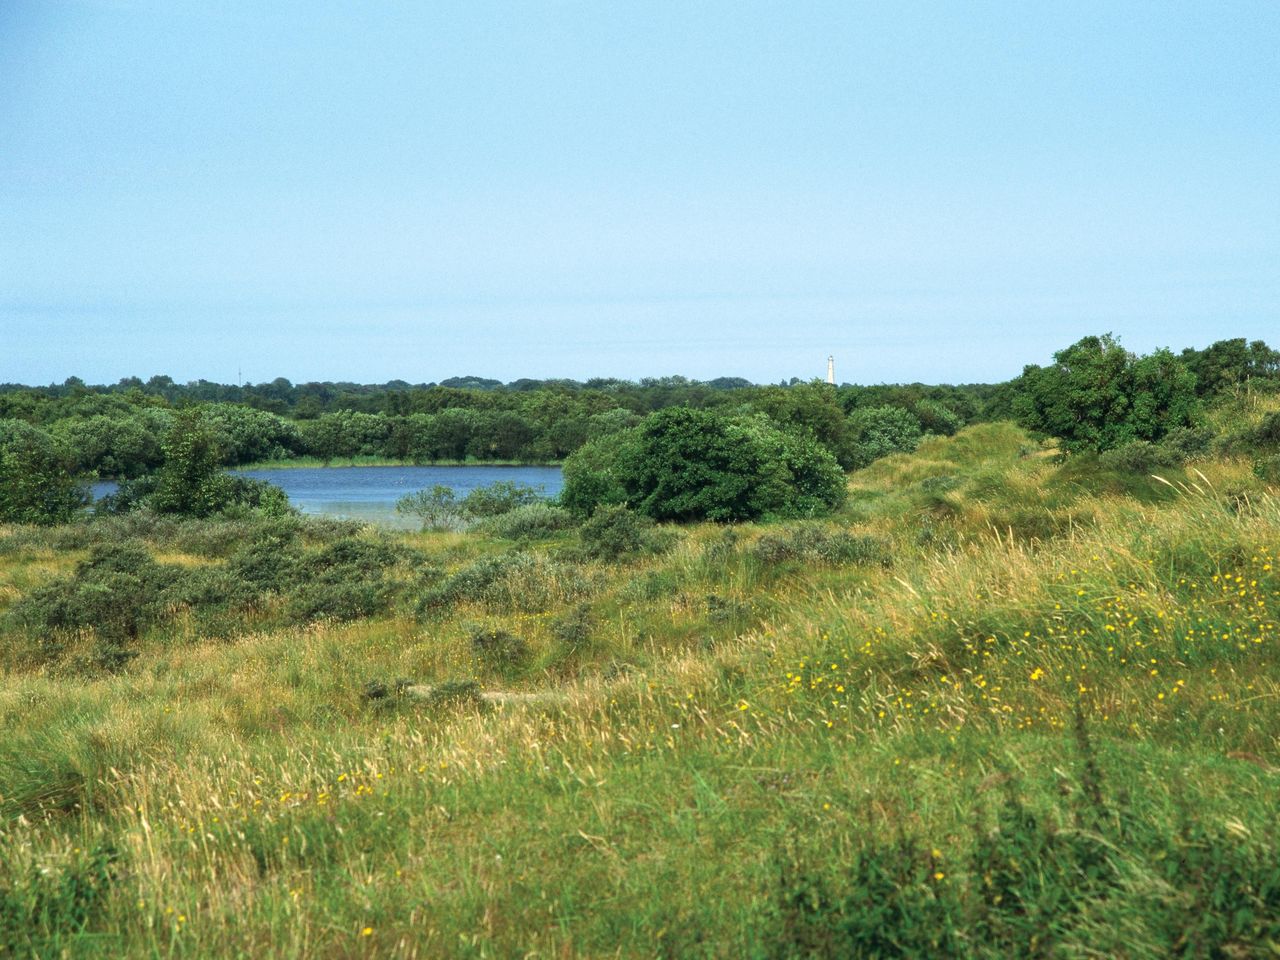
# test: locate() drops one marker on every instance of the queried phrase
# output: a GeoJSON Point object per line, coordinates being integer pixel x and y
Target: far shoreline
{"type": "Point", "coordinates": [295, 463]}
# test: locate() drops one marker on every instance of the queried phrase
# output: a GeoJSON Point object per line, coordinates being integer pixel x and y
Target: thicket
{"type": "Point", "coordinates": [684, 465]}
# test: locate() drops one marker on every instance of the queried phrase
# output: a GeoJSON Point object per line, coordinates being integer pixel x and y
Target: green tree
{"type": "Point", "coordinates": [36, 485]}
{"type": "Point", "coordinates": [876, 432]}
{"type": "Point", "coordinates": [683, 464]}
{"type": "Point", "coordinates": [1098, 396]}
{"type": "Point", "coordinates": [192, 482]}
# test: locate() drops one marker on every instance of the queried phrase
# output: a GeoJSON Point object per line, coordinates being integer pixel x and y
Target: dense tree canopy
{"type": "Point", "coordinates": [1098, 396]}
{"type": "Point", "coordinates": [36, 485]}
{"type": "Point", "coordinates": [683, 464]}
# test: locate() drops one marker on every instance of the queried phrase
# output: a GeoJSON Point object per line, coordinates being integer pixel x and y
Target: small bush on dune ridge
{"type": "Point", "coordinates": [499, 649]}
{"type": "Point", "coordinates": [533, 521]}
{"type": "Point", "coordinates": [821, 544]}
{"type": "Point", "coordinates": [511, 581]}
{"type": "Point", "coordinates": [613, 532]}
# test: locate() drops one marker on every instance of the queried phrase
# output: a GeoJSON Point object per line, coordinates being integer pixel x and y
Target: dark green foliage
{"type": "Point", "coordinates": [593, 474]}
{"type": "Point", "coordinates": [1098, 396]}
{"type": "Point", "coordinates": [245, 435]}
{"type": "Point", "coordinates": [936, 418]}
{"type": "Point", "coordinates": [809, 409]}
{"type": "Point", "coordinates": [1187, 443]}
{"type": "Point", "coordinates": [1139, 456]}
{"type": "Point", "coordinates": [684, 465]}
{"type": "Point", "coordinates": [613, 532]}
{"type": "Point", "coordinates": [192, 483]}
{"type": "Point", "coordinates": [269, 564]}
{"type": "Point", "coordinates": [115, 445]}
{"type": "Point", "coordinates": [1267, 434]}
{"type": "Point", "coordinates": [346, 580]}
{"type": "Point", "coordinates": [1229, 363]}
{"type": "Point", "coordinates": [876, 432]}
{"type": "Point", "coordinates": [36, 485]}
{"type": "Point", "coordinates": [575, 628]}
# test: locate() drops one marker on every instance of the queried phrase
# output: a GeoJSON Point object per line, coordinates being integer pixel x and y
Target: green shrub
{"type": "Point", "coordinates": [270, 564]}
{"type": "Point", "coordinates": [1267, 433]}
{"type": "Point", "coordinates": [935, 418]}
{"type": "Point", "coordinates": [499, 649]}
{"type": "Point", "coordinates": [819, 544]}
{"type": "Point", "coordinates": [533, 521]}
{"type": "Point", "coordinates": [574, 629]}
{"type": "Point", "coordinates": [613, 532]}
{"type": "Point", "coordinates": [1098, 396]}
{"type": "Point", "coordinates": [497, 498]}
{"type": "Point", "coordinates": [437, 508]}
{"type": "Point", "coordinates": [117, 592]}
{"type": "Point", "coordinates": [876, 432]}
{"type": "Point", "coordinates": [510, 581]}
{"type": "Point", "coordinates": [346, 580]}
{"type": "Point", "coordinates": [1139, 456]}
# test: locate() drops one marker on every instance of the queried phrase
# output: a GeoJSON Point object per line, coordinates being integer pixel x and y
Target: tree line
{"type": "Point", "coordinates": [1095, 397]}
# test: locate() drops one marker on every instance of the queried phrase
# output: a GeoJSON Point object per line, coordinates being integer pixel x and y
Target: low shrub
{"type": "Point", "coordinates": [497, 498]}
{"type": "Point", "coordinates": [575, 628]}
{"type": "Point", "coordinates": [529, 522]}
{"type": "Point", "coordinates": [820, 544]}
{"type": "Point", "coordinates": [498, 649]}
{"type": "Point", "coordinates": [1140, 456]}
{"type": "Point", "coordinates": [510, 581]}
{"type": "Point", "coordinates": [613, 531]}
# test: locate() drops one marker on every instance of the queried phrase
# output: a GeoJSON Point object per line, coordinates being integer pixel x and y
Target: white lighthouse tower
{"type": "Point", "coordinates": [831, 370]}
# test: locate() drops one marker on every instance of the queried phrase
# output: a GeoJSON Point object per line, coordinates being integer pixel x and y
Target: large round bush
{"type": "Point", "coordinates": [683, 464]}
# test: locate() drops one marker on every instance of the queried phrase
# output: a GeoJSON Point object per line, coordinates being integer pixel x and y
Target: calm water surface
{"type": "Point", "coordinates": [370, 493]}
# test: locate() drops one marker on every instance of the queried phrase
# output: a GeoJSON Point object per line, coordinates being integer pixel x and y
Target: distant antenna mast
{"type": "Point", "coordinates": [831, 370]}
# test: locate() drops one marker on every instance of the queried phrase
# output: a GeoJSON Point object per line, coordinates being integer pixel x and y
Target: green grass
{"type": "Point", "coordinates": [1017, 713]}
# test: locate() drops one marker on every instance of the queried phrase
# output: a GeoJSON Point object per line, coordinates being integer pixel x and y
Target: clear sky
{"type": "Point", "coordinates": [416, 189]}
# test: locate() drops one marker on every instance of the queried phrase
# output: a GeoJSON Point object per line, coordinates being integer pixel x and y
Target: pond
{"type": "Point", "coordinates": [370, 493]}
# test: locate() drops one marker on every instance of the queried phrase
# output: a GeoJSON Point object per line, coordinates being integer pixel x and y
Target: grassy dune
{"type": "Point", "coordinates": [1001, 706]}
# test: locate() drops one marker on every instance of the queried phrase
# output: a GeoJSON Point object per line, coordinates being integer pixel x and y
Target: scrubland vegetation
{"type": "Point", "coordinates": [992, 702]}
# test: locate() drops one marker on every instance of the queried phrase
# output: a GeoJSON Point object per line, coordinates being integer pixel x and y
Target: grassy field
{"type": "Point", "coordinates": [1000, 706]}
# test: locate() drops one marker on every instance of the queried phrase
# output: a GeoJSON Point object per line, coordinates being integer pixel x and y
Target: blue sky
{"type": "Point", "coordinates": [364, 191]}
